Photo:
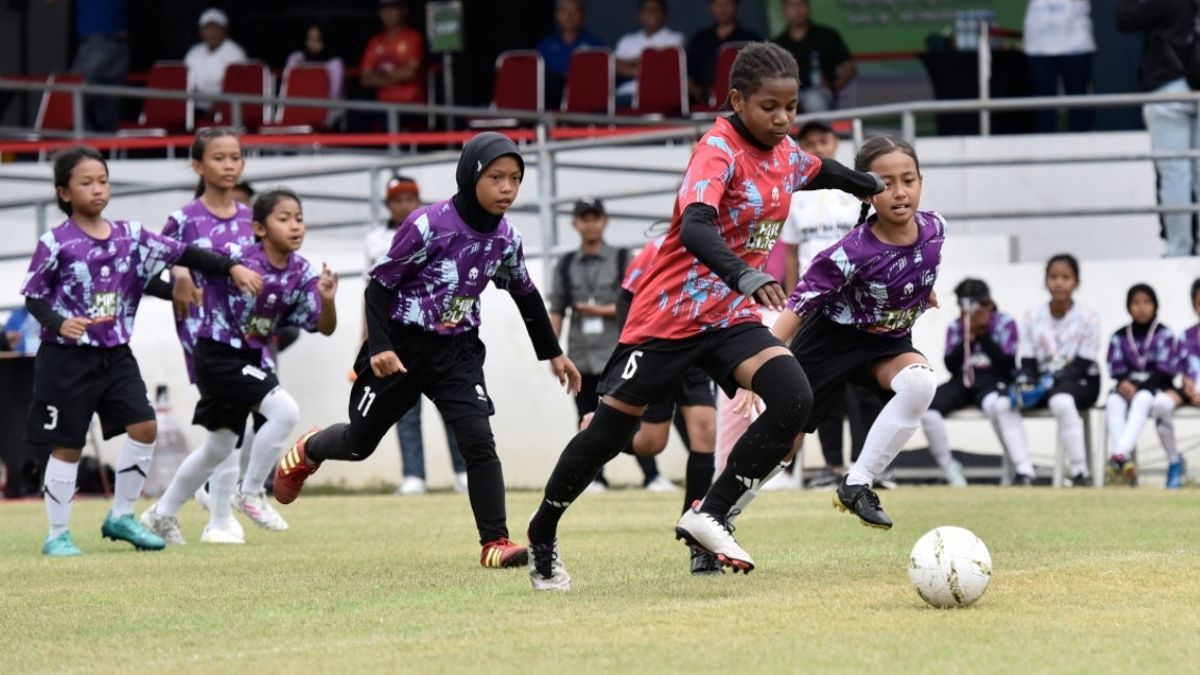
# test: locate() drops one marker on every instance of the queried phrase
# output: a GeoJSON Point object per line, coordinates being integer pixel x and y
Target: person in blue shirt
{"type": "Point", "coordinates": [102, 57]}
{"type": "Point", "coordinates": [23, 332]}
{"type": "Point", "coordinates": [557, 47]}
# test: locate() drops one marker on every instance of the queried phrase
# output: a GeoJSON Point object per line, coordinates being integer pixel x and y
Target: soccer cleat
{"type": "Point", "coordinates": [546, 569]}
{"type": "Point", "coordinates": [1080, 480]}
{"type": "Point", "coordinates": [460, 482]}
{"type": "Point", "coordinates": [704, 531]}
{"type": "Point", "coordinates": [260, 511]}
{"type": "Point", "coordinates": [293, 470]}
{"type": "Point", "coordinates": [127, 528]}
{"type": "Point", "coordinates": [1121, 469]}
{"type": "Point", "coordinates": [61, 546]}
{"type": "Point", "coordinates": [503, 552]}
{"type": "Point", "coordinates": [166, 527]}
{"type": "Point", "coordinates": [1023, 480]}
{"type": "Point", "coordinates": [954, 474]}
{"type": "Point", "coordinates": [661, 484]}
{"type": "Point", "coordinates": [229, 534]}
{"type": "Point", "coordinates": [862, 501]}
{"type": "Point", "coordinates": [1175, 473]}
{"type": "Point", "coordinates": [411, 485]}
{"type": "Point", "coordinates": [704, 564]}
{"type": "Point", "coordinates": [825, 479]}
{"type": "Point", "coordinates": [202, 498]}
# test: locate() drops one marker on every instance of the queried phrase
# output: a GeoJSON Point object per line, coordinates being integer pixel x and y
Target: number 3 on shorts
{"type": "Point", "coordinates": [631, 365]}
{"type": "Point", "coordinates": [364, 403]}
{"type": "Point", "coordinates": [52, 411]}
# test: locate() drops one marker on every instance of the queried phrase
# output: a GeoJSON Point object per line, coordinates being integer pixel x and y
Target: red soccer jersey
{"type": "Point", "coordinates": [751, 189]}
{"type": "Point", "coordinates": [389, 51]}
{"type": "Point", "coordinates": [642, 263]}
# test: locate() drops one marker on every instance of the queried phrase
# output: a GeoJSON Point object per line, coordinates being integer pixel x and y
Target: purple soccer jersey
{"type": "Point", "coordinates": [103, 280]}
{"type": "Point", "coordinates": [1188, 361]}
{"type": "Point", "coordinates": [289, 297]}
{"type": "Point", "coordinates": [438, 266]}
{"type": "Point", "coordinates": [1003, 331]}
{"type": "Point", "coordinates": [196, 226]}
{"type": "Point", "coordinates": [875, 287]}
{"type": "Point", "coordinates": [1134, 359]}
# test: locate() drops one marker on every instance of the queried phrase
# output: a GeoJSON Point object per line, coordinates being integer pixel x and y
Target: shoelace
{"type": "Point", "coordinates": [544, 556]}
{"type": "Point", "coordinates": [872, 499]}
{"type": "Point", "coordinates": [723, 524]}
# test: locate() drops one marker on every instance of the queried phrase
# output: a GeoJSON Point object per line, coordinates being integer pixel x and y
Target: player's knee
{"type": "Point", "coordinates": [1164, 405]}
{"type": "Point", "coordinates": [651, 440]}
{"type": "Point", "coordinates": [914, 387]}
{"type": "Point", "coordinates": [1062, 404]}
{"type": "Point", "coordinates": [785, 391]}
{"type": "Point", "coordinates": [475, 439]}
{"type": "Point", "coordinates": [933, 417]}
{"type": "Point", "coordinates": [1143, 397]}
{"type": "Point", "coordinates": [143, 432]}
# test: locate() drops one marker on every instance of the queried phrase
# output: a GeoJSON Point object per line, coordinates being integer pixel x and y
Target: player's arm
{"type": "Point", "coordinates": [159, 288]}
{"type": "Point", "coordinates": [624, 302]}
{"type": "Point", "coordinates": [50, 319]}
{"type": "Point", "coordinates": [198, 259]}
{"type": "Point", "coordinates": [514, 277]}
{"type": "Point", "coordinates": [791, 265]}
{"type": "Point", "coordinates": [327, 285]}
{"type": "Point", "coordinates": [835, 176]}
{"type": "Point", "coordinates": [702, 238]}
{"type": "Point", "coordinates": [822, 279]}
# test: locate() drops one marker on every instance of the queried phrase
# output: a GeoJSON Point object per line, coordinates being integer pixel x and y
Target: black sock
{"type": "Point", "coordinates": [649, 469]}
{"type": "Point", "coordinates": [329, 443]}
{"type": "Point", "coordinates": [785, 390]}
{"type": "Point", "coordinates": [485, 476]}
{"type": "Point", "coordinates": [699, 477]}
{"type": "Point", "coordinates": [579, 464]}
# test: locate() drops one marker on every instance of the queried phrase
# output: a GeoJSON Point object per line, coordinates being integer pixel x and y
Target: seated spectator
{"type": "Point", "coordinates": [652, 16]}
{"type": "Point", "coordinates": [393, 62]}
{"type": "Point", "coordinates": [208, 59]}
{"type": "Point", "coordinates": [556, 49]}
{"type": "Point", "coordinates": [23, 332]}
{"type": "Point", "coordinates": [1060, 47]}
{"type": "Point", "coordinates": [825, 63]}
{"type": "Point", "coordinates": [702, 49]}
{"type": "Point", "coordinates": [315, 51]}
{"type": "Point", "coordinates": [102, 57]}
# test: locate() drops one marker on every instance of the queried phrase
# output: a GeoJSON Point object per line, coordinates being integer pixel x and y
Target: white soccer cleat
{"type": "Point", "coordinates": [260, 511]}
{"type": "Point", "coordinates": [202, 497]}
{"type": "Point", "coordinates": [954, 474]}
{"type": "Point", "coordinates": [546, 569]}
{"type": "Point", "coordinates": [410, 486]}
{"type": "Point", "coordinates": [460, 482]}
{"type": "Point", "coordinates": [166, 527]}
{"type": "Point", "coordinates": [231, 534]}
{"type": "Point", "coordinates": [702, 530]}
{"type": "Point", "coordinates": [661, 484]}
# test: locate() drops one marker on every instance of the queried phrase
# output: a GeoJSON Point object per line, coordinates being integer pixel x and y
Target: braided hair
{"type": "Point", "coordinates": [758, 61]}
{"type": "Point", "coordinates": [876, 147]}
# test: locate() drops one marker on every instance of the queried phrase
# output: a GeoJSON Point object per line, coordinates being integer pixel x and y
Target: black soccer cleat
{"type": "Point", "coordinates": [1023, 480]}
{"type": "Point", "coordinates": [862, 501]}
{"type": "Point", "coordinates": [1081, 480]}
{"type": "Point", "coordinates": [705, 564]}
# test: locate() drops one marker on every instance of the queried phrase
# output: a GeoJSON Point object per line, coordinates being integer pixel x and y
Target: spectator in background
{"type": "Point", "coordinates": [102, 57]}
{"type": "Point", "coordinates": [243, 193]}
{"type": "Point", "coordinates": [208, 59]}
{"type": "Point", "coordinates": [316, 51]}
{"type": "Point", "coordinates": [825, 63]}
{"type": "Point", "coordinates": [702, 49]}
{"type": "Point", "coordinates": [652, 16]}
{"type": "Point", "coordinates": [392, 64]}
{"type": "Point", "coordinates": [556, 48]}
{"type": "Point", "coordinates": [23, 332]}
{"type": "Point", "coordinates": [1059, 45]}
{"type": "Point", "coordinates": [402, 198]}
{"type": "Point", "coordinates": [1167, 25]}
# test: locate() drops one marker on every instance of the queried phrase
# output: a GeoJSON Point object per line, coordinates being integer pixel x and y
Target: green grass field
{"type": "Point", "coordinates": [1085, 581]}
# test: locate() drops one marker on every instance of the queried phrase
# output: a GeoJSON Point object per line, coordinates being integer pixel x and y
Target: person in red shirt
{"type": "Point", "coordinates": [393, 62]}
{"type": "Point", "coordinates": [697, 306]}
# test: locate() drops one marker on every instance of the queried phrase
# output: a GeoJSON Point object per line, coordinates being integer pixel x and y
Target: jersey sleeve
{"type": "Point", "coordinates": [408, 253]}
{"type": "Point", "coordinates": [639, 266]}
{"type": "Point", "coordinates": [512, 275]}
{"type": "Point", "coordinates": [42, 277]}
{"type": "Point", "coordinates": [1116, 358]}
{"type": "Point", "coordinates": [306, 308]}
{"type": "Point", "coordinates": [174, 227]}
{"type": "Point", "coordinates": [708, 174]}
{"type": "Point", "coordinates": [829, 271]}
{"type": "Point", "coordinates": [155, 252]}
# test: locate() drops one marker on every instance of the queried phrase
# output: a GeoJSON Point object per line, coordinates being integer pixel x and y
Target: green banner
{"type": "Point", "coordinates": [443, 21]}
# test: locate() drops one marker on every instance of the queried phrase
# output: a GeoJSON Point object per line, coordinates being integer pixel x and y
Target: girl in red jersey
{"type": "Point", "coordinates": [697, 306]}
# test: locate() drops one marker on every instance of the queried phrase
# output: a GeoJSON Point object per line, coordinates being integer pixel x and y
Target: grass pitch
{"type": "Point", "coordinates": [1085, 581]}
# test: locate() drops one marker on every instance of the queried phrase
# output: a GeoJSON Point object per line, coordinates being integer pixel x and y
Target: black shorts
{"type": "Point", "coordinates": [232, 382]}
{"type": "Point", "coordinates": [447, 370]}
{"type": "Point", "coordinates": [953, 395]}
{"type": "Point", "coordinates": [648, 372]}
{"type": "Point", "coordinates": [833, 354]}
{"type": "Point", "coordinates": [70, 384]}
{"type": "Point", "coordinates": [696, 389]}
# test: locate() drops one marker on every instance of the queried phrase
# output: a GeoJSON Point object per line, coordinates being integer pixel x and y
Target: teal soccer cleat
{"type": "Point", "coordinates": [127, 528]}
{"type": "Point", "coordinates": [61, 546]}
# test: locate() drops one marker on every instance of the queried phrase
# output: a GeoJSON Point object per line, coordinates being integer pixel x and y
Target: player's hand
{"type": "Point", "coordinates": [746, 403]}
{"type": "Point", "coordinates": [74, 327]}
{"type": "Point", "coordinates": [586, 309]}
{"type": "Point", "coordinates": [1126, 389]}
{"type": "Point", "coordinates": [933, 299]}
{"type": "Point", "coordinates": [386, 364]}
{"type": "Point", "coordinates": [567, 374]}
{"type": "Point", "coordinates": [327, 285]}
{"type": "Point", "coordinates": [771, 296]}
{"type": "Point", "coordinates": [184, 295]}
{"type": "Point", "coordinates": [246, 279]}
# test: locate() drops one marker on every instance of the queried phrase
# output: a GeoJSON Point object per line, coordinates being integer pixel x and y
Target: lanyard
{"type": "Point", "coordinates": [1142, 357]}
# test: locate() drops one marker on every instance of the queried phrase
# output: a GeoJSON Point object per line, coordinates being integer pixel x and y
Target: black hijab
{"type": "Point", "coordinates": [477, 154]}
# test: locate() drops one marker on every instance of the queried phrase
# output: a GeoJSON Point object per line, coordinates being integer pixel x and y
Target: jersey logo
{"type": "Point", "coordinates": [104, 306]}
{"type": "Point", "coordinates": [258, 326]}
{"type": "Point", "coordinates": [765, 234]}
{"type": "Point", "coordinates": [631, 365]}
{"type": "Point", "coordinates": [456, 310]}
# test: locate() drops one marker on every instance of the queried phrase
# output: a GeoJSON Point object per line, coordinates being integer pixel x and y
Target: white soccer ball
{"type": "Point", "coordinates": [950, 567]}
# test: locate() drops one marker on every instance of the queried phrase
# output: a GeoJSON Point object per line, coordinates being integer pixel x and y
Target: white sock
{"type": "Point", "coordinates": [58, 491]}
{"type": "Point", "coordinates": [1115, 410]}
{"type": "Point", "coordinates": [132, 465]}
{"type": "Point", "coordinates": [1011, 428]}
{"type": "Point", "coordinates": [247, 443]}
{"type": "Point", "coordinates": [1164, 417]}
{"type": "Point", "coordinates": [1070, 431]}
{"type": "Point", "coordinates": [914, 386]}
{"type": "Point", "coordinates": [750, 495]}
{"type": "Point", "coordinates": [1135, 421]}
{"type": "Point", "coordinates": [195, 469]}
{"type": "Point", "coordinates": [934, 426]}
{"type": "Point", "coordinates": [221, 486]}
{"type": "Point", "coordinates": [282, 414]}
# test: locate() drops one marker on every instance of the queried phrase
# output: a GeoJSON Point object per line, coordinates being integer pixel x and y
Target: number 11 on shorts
{"type": "Point", "coordinates": [365, 403]}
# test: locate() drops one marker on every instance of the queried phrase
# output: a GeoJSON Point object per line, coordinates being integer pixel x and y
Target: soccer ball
{"type": "Point", "coordinates": [950, 567]}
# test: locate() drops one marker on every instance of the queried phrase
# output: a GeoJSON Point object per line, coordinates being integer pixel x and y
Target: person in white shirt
{"type": "Point", "coordinates": [652, 16]}
{"type": "Point", "coordinates": [1060, 45]}
{"type": "Point", "coordinates": [208, 58]}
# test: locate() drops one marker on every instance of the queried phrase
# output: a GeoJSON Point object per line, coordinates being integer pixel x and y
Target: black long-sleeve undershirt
{"type": "Point", "coordinates": [537, 324]}
{"type": "Point", "coordinates": [836, 176]}
{"type": "Point", "coordinates": [159, 288]}
{"type": "Point", "coordinates": [45, 314]}
{"type": "Point", "coordinates": [202, 260]}
{"type": "Point", "coordinates": [378, 301]}
{"type": "Point", "coordinates": [700, 236]}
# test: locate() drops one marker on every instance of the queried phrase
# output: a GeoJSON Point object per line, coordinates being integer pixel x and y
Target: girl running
{"type": "Point", "coordinates": [233, 376]}
{"type": "Point", "coordinates": [422, 336]}
{"type": "Point", "coordinates": [850, 318]}
{"type": "Point", "coordinates": [1060, 346]}
{"type": "Point", "coordinates": [1142, 358]}
{"type": "Point", "coordinates": [84, 284]}
{"type": "Point", "coordinates": [696, 307]}
{"type": "Point", "coordinates": [1188, 365]}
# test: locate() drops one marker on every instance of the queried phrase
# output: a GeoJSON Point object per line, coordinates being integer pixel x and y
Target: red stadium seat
{"type": "Point", "coordinates": [720, 83]}
{"type": "Point", "coordinates": [163, 116]}
{"type": "Point", "coordinates": [662, 83]}
{"type": "Point", "coordinates": [250, 78]}
{"type": "Point", "coordinates": [56, 112]}
{"type": "Point", "coordinates": [304, 80]}
{"type": "Point", "coordinates": [591, 78]}
{"type": "Point", "coordinates": [520, 85]}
